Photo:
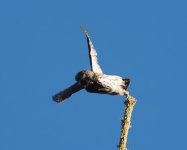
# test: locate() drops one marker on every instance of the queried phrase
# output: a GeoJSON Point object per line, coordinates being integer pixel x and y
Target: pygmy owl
{"type": "Point", "coordinates": [94, 80]}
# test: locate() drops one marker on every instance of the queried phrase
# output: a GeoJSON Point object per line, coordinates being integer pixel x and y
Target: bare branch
{"type": "Point", "coordinates": [126, 122]}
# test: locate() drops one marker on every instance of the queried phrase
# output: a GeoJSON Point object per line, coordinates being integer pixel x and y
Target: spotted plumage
{"type": "Point", "coordinates": [94, 80]}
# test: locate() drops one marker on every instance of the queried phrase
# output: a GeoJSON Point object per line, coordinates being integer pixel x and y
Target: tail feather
{"type": "Point", "coordinates": [127, 83]}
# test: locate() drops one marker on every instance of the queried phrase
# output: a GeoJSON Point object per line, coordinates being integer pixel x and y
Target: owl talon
{"type": "Point", "coordinates": [126, 93]}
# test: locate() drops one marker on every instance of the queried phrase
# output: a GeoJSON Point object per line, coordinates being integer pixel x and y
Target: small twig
{"type": "Point", "coordinates": [126, 122]}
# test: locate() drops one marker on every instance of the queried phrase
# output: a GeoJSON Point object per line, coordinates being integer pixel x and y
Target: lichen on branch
{"type": "Point", "coordinates": [126, 122]}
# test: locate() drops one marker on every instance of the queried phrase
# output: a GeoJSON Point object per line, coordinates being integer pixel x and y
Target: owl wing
{"type": "Point", "coordinates": [62, 95]}
{"type": "Point", "coordinates": [92, 54]}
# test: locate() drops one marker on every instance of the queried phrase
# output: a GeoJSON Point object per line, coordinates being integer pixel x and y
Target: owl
{"type": "Point", "coordinates": [94, 80]}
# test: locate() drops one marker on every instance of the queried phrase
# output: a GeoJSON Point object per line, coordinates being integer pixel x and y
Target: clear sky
{"type": "Point", "coordinates": [42, 48]}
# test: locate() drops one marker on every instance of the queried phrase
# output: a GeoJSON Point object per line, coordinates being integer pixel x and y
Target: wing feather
{"type": "Point", "coordinates": [61, 96]}
{"type": "Point", "coordinates": [92, 54]}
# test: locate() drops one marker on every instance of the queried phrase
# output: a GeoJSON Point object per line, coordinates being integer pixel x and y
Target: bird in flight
{"type": "Point", "coordinates": [94, 80]}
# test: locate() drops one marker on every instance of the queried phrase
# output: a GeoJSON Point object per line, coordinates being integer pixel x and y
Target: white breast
{"type": "Point", "coordinates": [115, 82]}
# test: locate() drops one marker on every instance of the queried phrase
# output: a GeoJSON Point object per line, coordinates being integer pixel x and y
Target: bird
{"type": "Point", "coordinates": [94, 80]}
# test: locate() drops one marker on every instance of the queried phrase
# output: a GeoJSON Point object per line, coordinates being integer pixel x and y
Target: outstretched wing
{"type": "Point", "coordinates": [92, 54]}
{"type": "Point", "coordinates": [61, 96]}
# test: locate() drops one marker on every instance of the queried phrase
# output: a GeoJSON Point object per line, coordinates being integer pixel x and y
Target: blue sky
{"type": "Point", "coordinates": [42, 48]}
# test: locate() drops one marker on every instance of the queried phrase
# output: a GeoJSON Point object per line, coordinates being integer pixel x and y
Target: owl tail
{"type": "Point", "coordinates": [127, 82]}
